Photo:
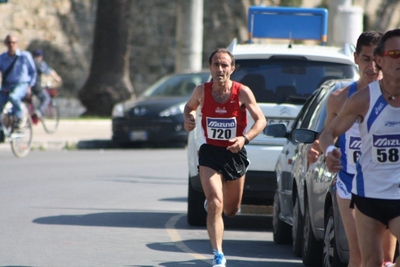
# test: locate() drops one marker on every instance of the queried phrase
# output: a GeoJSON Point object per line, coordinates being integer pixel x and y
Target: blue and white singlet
{"type": "Point", "coordinates": [378, 168]}
{"type": "Point", "coordinates": [349, 145]}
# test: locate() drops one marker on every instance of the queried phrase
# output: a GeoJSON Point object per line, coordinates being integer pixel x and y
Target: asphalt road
{"type": "Point", "coordinates": [115, 208]}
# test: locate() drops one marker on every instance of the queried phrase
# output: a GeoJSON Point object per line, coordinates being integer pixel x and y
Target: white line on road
{"type": "Point", "coordinates": [176, 238]}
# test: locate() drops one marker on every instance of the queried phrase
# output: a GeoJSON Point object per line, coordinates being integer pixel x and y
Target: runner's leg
{"type": "Point", "coordinates": [389, 246]}
{"type": "Point", "coordinates": [370, 233]}
{"type": "Point", "coordinates": [211, 181]}
{"type": "Point", "coordinates": [233, 192]}
{"type": "Point", "coordinates": [347, 215]}
{"type": "Point", "coordinates": [394, 227]}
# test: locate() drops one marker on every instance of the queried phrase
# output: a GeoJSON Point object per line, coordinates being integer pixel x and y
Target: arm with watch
{"type": "Point", "coordinates": [246, 140]}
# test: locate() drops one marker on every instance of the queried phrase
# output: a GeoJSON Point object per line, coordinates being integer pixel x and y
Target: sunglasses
{"type": "Point", "coordinates": [11, 42]}
{"type": "Point", "coordinates": [392, 54]}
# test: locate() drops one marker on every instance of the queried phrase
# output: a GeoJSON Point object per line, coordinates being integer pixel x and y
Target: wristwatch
{"type": "Point", "coordinates": [246, 141]}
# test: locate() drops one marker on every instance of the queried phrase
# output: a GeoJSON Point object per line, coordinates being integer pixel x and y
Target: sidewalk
{"type": "Point", "coordinates": [71, 134]}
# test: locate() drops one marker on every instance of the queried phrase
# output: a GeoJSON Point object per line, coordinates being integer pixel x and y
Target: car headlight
{"type": "Point", "coordinates": [118, 110]}
{"type": "Point", "coordinates": [173, 110]}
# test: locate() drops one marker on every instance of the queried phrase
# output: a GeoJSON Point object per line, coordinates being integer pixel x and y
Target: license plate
{"type": "Point", "coordinates": [138, 136]}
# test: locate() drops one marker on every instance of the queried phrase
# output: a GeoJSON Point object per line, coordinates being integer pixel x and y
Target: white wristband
{"type": "Point", "coordinates": [329, 150]}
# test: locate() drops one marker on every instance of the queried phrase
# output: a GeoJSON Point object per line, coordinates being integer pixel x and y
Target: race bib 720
{"type": "Point", "coordinates": [221, 128]}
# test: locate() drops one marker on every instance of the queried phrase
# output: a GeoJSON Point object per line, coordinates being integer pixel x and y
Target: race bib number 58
{"type": "Point", "coordinates": [221, 128]}
{"type": "Point", "coordinates": [386, 148]}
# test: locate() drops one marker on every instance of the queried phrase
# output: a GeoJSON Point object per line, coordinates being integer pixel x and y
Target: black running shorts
{"type": "Point", "coordinates": [382, 210]}
{"type": "Point", "coordinates": [231, 165]}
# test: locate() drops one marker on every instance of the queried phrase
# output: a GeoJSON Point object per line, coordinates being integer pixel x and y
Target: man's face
{"type": "Point", "coordinates": [390, 65]}
{"type": "Point", "coordinates": [366, 64]}
{"type": "Point", "coordinates": [221, 67]}
{"type": "Point", "coordinates": [12, 44]}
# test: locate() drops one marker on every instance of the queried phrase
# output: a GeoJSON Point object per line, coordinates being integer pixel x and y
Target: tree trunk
{"type": "Point", "coordinates": [108, 81]}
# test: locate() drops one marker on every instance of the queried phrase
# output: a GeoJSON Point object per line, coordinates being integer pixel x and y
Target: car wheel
{"type": "Point", "coordinates": [281, 230]}
{"type": "Point", "coordinates": [196, 214]}
{"type": "Point", "coordinates": [330, 254]}
{"type": "Point", "coordinates": [297, 229]}
{"type": "Point", "coordinates": [312, 248]}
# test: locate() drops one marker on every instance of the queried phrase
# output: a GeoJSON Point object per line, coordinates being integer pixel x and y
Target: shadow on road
{"type": "Point", "coordinates": [258, 253]}
{"type": "Point", "coordinates": [155, 220]}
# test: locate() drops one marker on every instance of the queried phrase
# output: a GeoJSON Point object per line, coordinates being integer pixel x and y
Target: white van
{"type": "Point", "coordinates": [282, 77]}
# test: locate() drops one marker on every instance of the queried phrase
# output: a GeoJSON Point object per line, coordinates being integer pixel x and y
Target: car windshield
{"type": "Point", "coordinates": [283, 80]}
{"type": "Point", "coordinates": [176, 85]}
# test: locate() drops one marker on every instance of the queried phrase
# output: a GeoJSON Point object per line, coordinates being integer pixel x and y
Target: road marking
{"type": "Point", "coordinates": [176, 238]}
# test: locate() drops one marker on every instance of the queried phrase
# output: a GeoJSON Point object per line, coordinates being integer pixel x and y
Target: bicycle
{"type": "Point", "coordinates": [51, 115]}
{"type": "Point", "coordinates": [21, 138]}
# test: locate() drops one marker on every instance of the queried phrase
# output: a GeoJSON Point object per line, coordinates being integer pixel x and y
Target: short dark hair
{"type": "Point", "coordinates": [389, 34]}
{"type": "Point", "coordinates": [221, 50]}
{"type": "Point", "coordinates": [9, 36]}
{"type": "Point", "coordinates": [367, 38]}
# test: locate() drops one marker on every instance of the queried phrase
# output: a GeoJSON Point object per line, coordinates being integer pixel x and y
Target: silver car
{"type": "Point", "coordinates": [304, 202]}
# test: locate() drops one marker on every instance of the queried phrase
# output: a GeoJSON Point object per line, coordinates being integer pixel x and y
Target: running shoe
{"type": "Point", "coordinates": [205, 205]}
{"type": "Point", "coordinates": [219, 259]}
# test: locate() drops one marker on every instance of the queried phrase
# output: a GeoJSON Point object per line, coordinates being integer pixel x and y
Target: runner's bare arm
{"type": "Point", "coordinates": [189, 112]}
{"type": "Point", "coordinates": [355, 108]}
{"type": "Point", "coordinates": [247, 98]}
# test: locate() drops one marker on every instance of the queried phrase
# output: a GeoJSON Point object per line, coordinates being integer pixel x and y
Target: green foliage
{"type": "Point", "coordinates": [295, 3]}
{"type": "Point", "coordinates": [323, 4]}
{"type": "Point", "coordinates": [69, 146]}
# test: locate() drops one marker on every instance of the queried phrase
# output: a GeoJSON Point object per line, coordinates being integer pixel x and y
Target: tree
{"type": "Point", "coordinates": [385, 13]}
{"type": "Point", "coordinates": [108, 81]}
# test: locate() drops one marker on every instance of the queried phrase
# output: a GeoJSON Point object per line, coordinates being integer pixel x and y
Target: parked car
{"type": "Point", "coordinates": [305, 208]}
{"type": "Point", "coordinates": [324, 216]}
{"type": "Point", "coordinates": [282, 77]}
{"type": "Point", "coordinates": [156, 116]}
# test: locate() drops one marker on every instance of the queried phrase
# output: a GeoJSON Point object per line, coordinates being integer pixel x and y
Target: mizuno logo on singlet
{"type": "Point", "coordinates": [219, 124]}
{"type": "Point", "coordinates": [355, 142]}
{"type": "Point", "coordinates": [386, 140]}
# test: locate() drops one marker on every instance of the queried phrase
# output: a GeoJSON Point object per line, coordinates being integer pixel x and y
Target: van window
{"type": "Point", "coordinates": [291, 80]}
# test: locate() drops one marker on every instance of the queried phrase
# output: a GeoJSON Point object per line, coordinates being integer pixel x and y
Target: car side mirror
{"type": "Point", "coordinates": [305, 136]}
{"type": "Point", "coordinates": [276, 130]}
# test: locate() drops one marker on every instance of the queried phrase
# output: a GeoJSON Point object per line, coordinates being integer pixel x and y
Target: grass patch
{"type": "Point", "coordinates": [69, 146]}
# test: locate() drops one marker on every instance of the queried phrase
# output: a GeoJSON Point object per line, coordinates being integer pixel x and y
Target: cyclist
{"type": "Point", "coordinates": [42, 68]}
{"type": "Point", "coordinates": [18, 76]}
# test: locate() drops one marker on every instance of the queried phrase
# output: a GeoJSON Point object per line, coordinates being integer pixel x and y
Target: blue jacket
{"type": "Point", "coordinates": [23, 71]}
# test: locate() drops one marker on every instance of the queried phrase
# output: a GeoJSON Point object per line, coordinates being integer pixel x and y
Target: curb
{"type": "Point", "coordinates": [72, 145]}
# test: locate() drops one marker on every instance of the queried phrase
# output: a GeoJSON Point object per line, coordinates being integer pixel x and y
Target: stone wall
{"type": "Point", "coordinates": [64, 30]}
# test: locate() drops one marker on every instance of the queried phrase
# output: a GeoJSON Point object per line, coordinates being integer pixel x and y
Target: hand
{"type": "Point", "coordinates": [189, 123]}
{"type": "Point", "coordinates": [332, 161]}
{"type": "Point", "coordinates": [238, 144]}
{"type": "Point", "coordinates": [313, 152]}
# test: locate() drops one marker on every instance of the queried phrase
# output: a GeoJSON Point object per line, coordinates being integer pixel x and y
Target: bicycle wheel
{"type": "Point", "coordinates": [51, 117]}
{"type": "Point", "coordinates": [21, 140]}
